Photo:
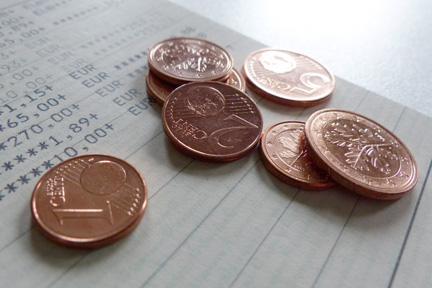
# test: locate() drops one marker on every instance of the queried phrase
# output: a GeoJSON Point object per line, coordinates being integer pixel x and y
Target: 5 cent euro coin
{"type": "Point", "coordinates": [287, 77]}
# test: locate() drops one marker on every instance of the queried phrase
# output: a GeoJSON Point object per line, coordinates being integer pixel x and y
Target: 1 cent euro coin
{"type": "Point", "coordinates": [89, 201]}
{"type": "Point", "coordinates": [182, 60]}
{"type": "Point", "coordinates": [284, 154]}
{"type": "Point", "coordinates": [288, 78]}
{"type": "Point", "coordinates": [360, 154]}
{"type": "Point", "coordinates": [212, 121]}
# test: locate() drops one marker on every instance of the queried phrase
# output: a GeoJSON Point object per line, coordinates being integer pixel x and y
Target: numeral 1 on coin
{"type": "Point", "coordinates": [106, 213]}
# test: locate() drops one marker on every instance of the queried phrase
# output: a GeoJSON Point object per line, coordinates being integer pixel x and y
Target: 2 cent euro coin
{"type": "Point", "coordinates": [212, 121]}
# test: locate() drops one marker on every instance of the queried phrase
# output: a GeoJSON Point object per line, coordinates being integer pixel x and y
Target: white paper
{"type": "Point", "coordinates": [206, 225]}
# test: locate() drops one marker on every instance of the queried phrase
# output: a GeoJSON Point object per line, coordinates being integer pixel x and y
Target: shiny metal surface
{"type": "Point", "coordinates": [89, 201]}
{"type": "Point", "coordinates": [284, 154]}
{"type": "Point", "coordinates": [360, 154]}
{"type": "Point", "coordinates": [182, 60]}
{"type": "Point", "coordinates": [287, 77]}
{"type": "Point", "coordinates": [212, 121]}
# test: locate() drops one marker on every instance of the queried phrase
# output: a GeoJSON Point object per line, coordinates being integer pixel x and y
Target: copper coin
{"type": "Point", "coordinates": [360, 154]}
{"type": "Point", "coordinates": [89, 201]}
{"type": "Point", "coordinates": [237, 80]}
{"type": "Point", "coordinates": [212, 121]}
{"type": "Point", "coordinates": [288, 78]}
{"type": "Point", "coordinates": [159, 90]}
{"type": "Point", "coordinates": [285, 156]}
{"type": "Point", "coordinates": [181, 60]}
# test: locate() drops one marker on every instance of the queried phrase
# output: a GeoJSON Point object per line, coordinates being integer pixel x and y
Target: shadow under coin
{"type": "Point", "coordinates": [345, 206]}
{"type": "Point", "coordinates": [274, 184]}
{"type": "Point", "coordinates": [341, 204]}
{"type": "Point", "coordinates": [58, 255]}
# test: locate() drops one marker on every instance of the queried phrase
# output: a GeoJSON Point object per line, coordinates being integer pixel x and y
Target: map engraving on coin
{"type": "Point", "coordinates": [212, 121]}
{"type": "Point", "coordinates": [89, 201]}
{"type": "Point", "coordinates": [361, 154]}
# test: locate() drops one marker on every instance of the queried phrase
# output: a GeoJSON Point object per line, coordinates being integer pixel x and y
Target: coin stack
{"type": "Point", "coordinates": [178, 61]}
{"type": "Point", "coordinates": [206, 113]}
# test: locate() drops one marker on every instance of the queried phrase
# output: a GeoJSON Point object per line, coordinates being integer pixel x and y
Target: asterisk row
{"type": "Point", "coordinates": [21, 158]}
{"type": "Point", "coordinates": [25, 178]}
{"type": "Point", "coordinates": [137, 72]}
{"type": "Point", "coordinates": [42, 145]}
{"type": "Point", "coordinates": [131, 60]}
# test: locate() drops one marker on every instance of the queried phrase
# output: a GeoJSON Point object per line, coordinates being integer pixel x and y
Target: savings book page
{"type": "Point", "coordinates": [72, 82]}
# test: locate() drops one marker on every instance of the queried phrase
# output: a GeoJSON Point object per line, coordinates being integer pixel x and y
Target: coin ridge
{"type": "Point", "coordinates": [272, 98]}
{"type": "Point", "coordinates": [152, 91]}
{"type": "Point", "coordinates": [239, 75]}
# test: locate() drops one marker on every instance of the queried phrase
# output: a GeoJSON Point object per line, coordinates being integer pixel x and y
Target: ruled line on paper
{"type": "Point", "coordinates": [156, 271]}
{"type": "Point", "coordinates": [263, 240]}
{"type": "Point", "coordinates": [410, 227]}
